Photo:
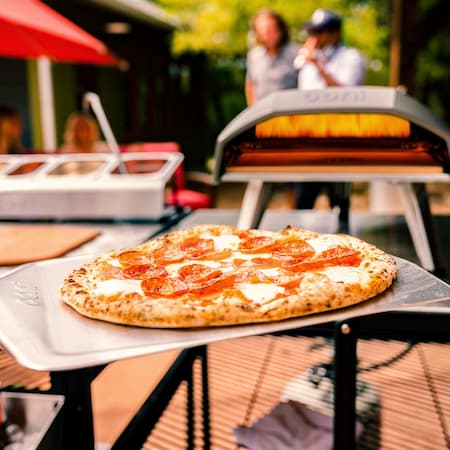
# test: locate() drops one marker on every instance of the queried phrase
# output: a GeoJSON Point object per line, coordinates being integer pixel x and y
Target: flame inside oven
{"type": "Point", "coordinates": [334, 125]}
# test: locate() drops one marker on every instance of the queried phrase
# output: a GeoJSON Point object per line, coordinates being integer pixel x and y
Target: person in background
{"type": "Point", "coordinates": [324, 61]}
{"type": "Point", "coordinates": [270, 63]}
{"type": "Point", "coordinates": [10, 130]}
{"type": "Point", "coordinates": [82, 135]}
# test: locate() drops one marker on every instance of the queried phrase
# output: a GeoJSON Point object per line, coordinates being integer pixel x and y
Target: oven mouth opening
{"type": "Point", "coordinates": [334, 125]}
{"type": "Point", "coordinates": [289, 143]}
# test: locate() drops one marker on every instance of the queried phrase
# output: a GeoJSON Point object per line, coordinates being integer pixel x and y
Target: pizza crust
{"type": "Point", "coordinates": [317, 291]}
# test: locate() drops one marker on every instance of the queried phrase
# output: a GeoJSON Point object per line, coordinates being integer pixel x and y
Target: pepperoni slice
{"type": "Point", "coordinates": [132, 257]}
{"type": "Point", "coordinates": [295, 249]}
{"type": "Point", "coordinates": [198, 273]}
{"type": "Point", "coordinates": [287, 280]}
{"type": "Point", "coordinates": [304, 266]}
{"type": "Point", "coordinates": [256, 244]}
{"type": "Point", "coordinates": [216, 255]}
{"type": "Point", "coordinates": [266, 263]}
{"type": "Point", "coordinates": [164, 287]}
{"type": "Point", "coordinates": [219, 284]}
{"type": "Point", "coordinates": [342, 256]}
{"type": "Point", "coordinates": [139, 271]}
{"type": "Point", "coordinates": [196, 247]}
{"type": "Point", "coordinates": [168, 254]}
{"type": "Point", "coordinates": [238, 262]}
{"type": "Point", "coordinates": [108, 271]}
{"type": "Point", "coordinates": [337, 256]}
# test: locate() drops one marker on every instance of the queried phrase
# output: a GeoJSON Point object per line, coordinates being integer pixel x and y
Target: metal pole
{"type": "Point", "coordinates": [46, 104]}
{"type": "Point", "coordinates": [91, 99]}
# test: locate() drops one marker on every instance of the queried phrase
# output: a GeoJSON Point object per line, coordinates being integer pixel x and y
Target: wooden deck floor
{"type": "Point", "coordinates": [247, 377]}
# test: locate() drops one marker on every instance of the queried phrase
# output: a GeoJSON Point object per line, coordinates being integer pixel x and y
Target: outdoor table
{"type": "Point", "coordinates": [75, 349]}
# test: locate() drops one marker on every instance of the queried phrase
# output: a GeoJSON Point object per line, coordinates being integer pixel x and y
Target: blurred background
{"type": "Point", "coordinates": [183, 63]}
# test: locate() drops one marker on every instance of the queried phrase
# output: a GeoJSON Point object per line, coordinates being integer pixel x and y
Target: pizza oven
{"type": "Point", "coordinates": [335, 135]}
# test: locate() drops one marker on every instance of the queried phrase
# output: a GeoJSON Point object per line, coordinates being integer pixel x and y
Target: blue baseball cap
{"type": "Point", "coordinates": [323, 19]}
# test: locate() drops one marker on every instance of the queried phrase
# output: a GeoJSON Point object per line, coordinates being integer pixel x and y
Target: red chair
{"type": "Point", "coordinates": [179, 195]}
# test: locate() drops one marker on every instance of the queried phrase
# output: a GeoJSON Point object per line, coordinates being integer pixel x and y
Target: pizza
{"type": "Point", "coordinates": [211, 275]}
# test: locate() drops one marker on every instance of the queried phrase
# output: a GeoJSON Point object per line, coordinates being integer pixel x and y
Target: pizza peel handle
{"type": "Point", "coordinates": [93, 100]}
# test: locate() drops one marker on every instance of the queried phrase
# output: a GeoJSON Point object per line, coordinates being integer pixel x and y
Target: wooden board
{"type": "Point", "coordinates": [21, 244]}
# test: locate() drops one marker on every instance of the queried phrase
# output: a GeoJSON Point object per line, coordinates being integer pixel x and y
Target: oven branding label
{"type": "Point", "coordinates": [331, 96]}
{"type": "Point", "coordinates": [29, 295]}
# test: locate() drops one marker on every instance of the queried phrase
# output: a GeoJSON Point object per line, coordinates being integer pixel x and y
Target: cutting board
{"type": "Point", "coordinates": [21, 244]}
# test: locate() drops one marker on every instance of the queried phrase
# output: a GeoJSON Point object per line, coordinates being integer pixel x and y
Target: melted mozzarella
{"type": "Point", "coordinates": [320, 244]}
{"type": "Point", "coordinates": [271, 272]}
{"type": "Point", "coordinates": [114, 262]}
{"type": "Point", "coordinates": [260, 292]}
{"type": "Point", "coordinates": [226, 241]}
{"type": "Point", "coordinates": [114, 287]}
{"type": "Point", "coordinates": [342, 274]}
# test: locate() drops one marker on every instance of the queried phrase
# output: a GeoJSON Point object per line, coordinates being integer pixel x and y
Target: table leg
{"type": "Point", "coordinates": [135, 434]}
{"type": "Point", "coordinates": [205, 400]}
{"type": "Point", "coordinates": [344, 386]}
{"type": "Point", "coordinates": [77, 419]}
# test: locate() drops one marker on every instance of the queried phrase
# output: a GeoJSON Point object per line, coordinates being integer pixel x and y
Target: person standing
{"type": "Point", "coordinates": [324, 61]}
{"type": "Point", "coordinates": [82, 135]}
{"type": "Point", "coordinates": [270, 64]}
{"type": "Point", "coordinates": [10, 130]}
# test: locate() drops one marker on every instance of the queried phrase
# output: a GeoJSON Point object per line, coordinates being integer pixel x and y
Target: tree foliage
{"type": "Point", "coordinates": [221, 27]}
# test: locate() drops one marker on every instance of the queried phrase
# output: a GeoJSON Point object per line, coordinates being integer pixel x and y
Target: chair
{"type": "Point", "coordinates": [180, 195]}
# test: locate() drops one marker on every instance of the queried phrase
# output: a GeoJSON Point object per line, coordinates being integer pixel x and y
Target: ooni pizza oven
{"type": "Point", "coordinates": [80, 186]}
{"type": "Point", "coordinates": [336, 135]}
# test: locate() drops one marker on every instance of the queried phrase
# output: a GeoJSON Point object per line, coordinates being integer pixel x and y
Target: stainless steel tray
{"type": "Point", "coordinates": [79, 186]}
{"type": "Point", "coordinates": [44, 334]}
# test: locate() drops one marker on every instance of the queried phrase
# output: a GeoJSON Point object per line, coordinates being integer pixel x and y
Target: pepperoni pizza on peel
{"type": "Point", "coordinates": [211, 275]}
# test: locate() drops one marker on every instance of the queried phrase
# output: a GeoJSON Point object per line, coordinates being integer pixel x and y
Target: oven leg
{"type": "Point", "coordinates": [255, 200]}
{"type": "Point", "coordinates": [416, 225]}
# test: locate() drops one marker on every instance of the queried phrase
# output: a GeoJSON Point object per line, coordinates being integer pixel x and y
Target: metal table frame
{"type": "Point", "coordinates": [76, 416]}
{"type": "Point", "coordinates": [418, 325]}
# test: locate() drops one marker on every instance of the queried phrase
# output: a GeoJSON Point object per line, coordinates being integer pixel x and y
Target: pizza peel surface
{"type": "Point", "coordinates": [214, 275]}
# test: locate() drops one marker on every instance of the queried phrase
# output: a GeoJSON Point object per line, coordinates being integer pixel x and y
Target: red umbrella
{"type": "Point", "coordinates": [31, 29]}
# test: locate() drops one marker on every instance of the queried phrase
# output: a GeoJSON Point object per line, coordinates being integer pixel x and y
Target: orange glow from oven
{"type": "Point", "coordinates": [334, 125]}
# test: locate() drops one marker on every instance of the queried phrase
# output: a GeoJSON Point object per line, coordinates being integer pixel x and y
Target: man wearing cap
{"type": "Point", "coordinates": [324, 61]}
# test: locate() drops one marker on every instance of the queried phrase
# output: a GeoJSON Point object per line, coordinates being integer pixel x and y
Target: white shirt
{"type": "Point", "coordinates": [344, 64]}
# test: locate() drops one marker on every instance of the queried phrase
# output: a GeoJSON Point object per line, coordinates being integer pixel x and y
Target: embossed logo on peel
{"type": "Point", "coordinates": [29, 295]}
